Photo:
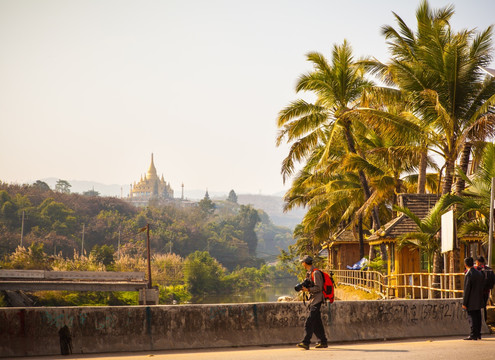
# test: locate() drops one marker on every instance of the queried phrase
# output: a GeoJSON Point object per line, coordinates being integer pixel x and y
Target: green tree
{"type": "Point", "coordinates": [103, 254]}
{"type": "Point", "coordinates": [202, 274]}
{"type": "Point", "coordinates": [247, 220]}
{"type": "Point", "coordinates": [63, 186]}
{"type": "Point", "coordinates": [439, 69]}
{"type": "Point", "coordinates": [41, 185]}
{"type": "Point", "coordinates": [206, 205]}
{"type": "Point", "coordinates": [473, 204]}
{"type": "Point", "coordinates": [57, 216]}
{"type": "Point", "coordinates": [232, 197]}
{"type": "Point", "coordinates": [338, 86]}
{"type": "Point", "coordinates": [92, 192]}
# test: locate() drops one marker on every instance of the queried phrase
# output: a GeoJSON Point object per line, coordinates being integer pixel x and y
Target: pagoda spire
{"type": "Point", "coordinates": [152, 170]}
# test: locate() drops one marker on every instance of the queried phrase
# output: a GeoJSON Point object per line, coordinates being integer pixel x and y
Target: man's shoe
{"type": "Point", "coordinates": [470, 338]}
{"type": "Point", "coordinates": [303, 346]}
{"type": "Point", "coordinates": [321, 345]}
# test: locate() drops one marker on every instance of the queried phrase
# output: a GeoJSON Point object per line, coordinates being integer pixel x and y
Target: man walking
{"type": "Point", "coordinates": [313, 322]}
{"type": "Point", "coordinates": [473, 298]}
{"type": "Point", "coordinates": [488, 279]}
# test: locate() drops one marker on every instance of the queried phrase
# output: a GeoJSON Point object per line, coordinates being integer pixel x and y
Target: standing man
{"type": "Point", "coordinates": [313, 322]}
{"type": "Point", "coordinates": [488, 279]}
{"type": "Point", "coordinates": [473, 298]}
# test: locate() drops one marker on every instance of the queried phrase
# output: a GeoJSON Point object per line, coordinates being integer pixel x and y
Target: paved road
{"type": "Point", "coordinates": [421, 349]}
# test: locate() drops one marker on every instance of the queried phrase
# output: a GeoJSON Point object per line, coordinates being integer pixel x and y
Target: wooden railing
{"type": "Point", "coordinates": [407, 286]}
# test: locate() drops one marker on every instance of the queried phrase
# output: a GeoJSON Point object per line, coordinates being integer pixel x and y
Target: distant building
{"type": "Point", "coordinates": [150, 187]}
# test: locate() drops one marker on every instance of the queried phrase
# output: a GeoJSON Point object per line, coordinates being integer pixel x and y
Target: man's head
{"type": "Point", "coordinates": [307, 262]}
{"type": "Point", "coordinates": [468, 262]}
{"type": "Point", "coordinates": [480, 260]}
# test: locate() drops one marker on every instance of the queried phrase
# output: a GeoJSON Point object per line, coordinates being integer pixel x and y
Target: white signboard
{"type": "Point", "coordinates": [448, 231]}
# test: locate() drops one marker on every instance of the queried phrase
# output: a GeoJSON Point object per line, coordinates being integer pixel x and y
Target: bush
{"type": "Point", "coordinates": [245, 279]}
{"type": "Point", "coordinates": [167, 269]}
{"type": "Point", "coordinates": [177, 293]}
{"type": "Point", "coordinates": [32, 258]}
{"type": "Point", "coordinates": [203, 274]}
{"type": "Point", "coordinates": [87, 298]}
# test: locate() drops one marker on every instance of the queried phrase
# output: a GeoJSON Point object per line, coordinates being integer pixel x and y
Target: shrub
{"type": "Point", "coordinates": [178, 293]}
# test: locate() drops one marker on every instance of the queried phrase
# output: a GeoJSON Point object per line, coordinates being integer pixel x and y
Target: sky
{"type": "Point", "coordinates": [90, 88]}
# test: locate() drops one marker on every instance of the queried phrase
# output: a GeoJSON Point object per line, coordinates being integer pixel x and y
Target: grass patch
{"type": "Point", "coordinates": [344, 292]}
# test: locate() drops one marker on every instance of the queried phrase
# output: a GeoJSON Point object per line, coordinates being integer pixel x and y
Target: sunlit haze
{"type": "Point", "coordinates": [89, 89]}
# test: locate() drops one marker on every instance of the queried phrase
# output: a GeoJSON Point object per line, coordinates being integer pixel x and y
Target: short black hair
{"type": "Point", "coordinates": [308, 260]}
{"type": "Point", "coordinates": [469, 261]}
{"type": "Point", "coordinates": [480, 259]}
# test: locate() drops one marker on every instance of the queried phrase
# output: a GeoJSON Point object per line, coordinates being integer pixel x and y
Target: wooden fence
{"type": "Point", "coordinates": [406, 286]}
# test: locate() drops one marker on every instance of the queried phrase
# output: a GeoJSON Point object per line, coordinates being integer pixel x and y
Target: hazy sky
{"type": "Point", "coordinates": [89, 89]}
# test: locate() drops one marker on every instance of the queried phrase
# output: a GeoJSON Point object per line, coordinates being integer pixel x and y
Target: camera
{"type": "Point", "coordinates": [306, 283]}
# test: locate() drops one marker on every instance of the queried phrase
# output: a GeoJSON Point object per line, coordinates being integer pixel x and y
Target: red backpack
{"type": "Point", "coordinates": [328, 285]}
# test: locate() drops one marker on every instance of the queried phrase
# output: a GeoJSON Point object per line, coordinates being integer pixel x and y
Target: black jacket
{"type": "Point", "coordinates": [473, 290]}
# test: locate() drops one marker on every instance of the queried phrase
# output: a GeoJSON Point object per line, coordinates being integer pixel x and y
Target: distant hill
{"type": "Point", "coordinates": [273, 206]}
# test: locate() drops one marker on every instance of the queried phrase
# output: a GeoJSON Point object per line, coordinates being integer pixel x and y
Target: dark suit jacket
{"type": "Point", "coordinates": [473, 290]}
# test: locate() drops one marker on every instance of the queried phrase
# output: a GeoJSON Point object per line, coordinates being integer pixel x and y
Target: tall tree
{"type": "Point", "coordinates": [232, 197]}
{"type": "Point", "coordinates": [63, 186]}
{"type": "Point", "coordinates": [441, 71]}
{"type": "Point", "coordinates": [338, 86]}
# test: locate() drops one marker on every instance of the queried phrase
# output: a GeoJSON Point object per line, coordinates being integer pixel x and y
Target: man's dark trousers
{"type": "Point", "coordinates": [314, 325]}
{"type": "Point", "coordinates": [474, 318]}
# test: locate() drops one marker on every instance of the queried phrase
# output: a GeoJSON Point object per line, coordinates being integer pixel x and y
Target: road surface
{"type": "Point", "coordinates": [449, 348]}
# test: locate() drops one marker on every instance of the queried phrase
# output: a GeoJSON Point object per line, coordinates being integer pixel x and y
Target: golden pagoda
{"type": "Point", "coordinates": [150, 187]}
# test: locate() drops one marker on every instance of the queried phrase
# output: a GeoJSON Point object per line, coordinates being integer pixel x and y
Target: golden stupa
{"type": "Point", "coordinates": [150, 187]}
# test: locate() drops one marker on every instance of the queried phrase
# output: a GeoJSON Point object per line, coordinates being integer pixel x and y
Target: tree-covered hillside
{"type": "Point", "coordinates": [66, 223]}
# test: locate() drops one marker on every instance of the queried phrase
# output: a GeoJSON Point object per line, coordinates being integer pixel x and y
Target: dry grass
{"type": "Point", "coordinates": [346, 293]}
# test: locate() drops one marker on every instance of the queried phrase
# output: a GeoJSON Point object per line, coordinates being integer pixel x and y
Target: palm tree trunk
{"type": "Point", "coordinates": [361, 236]}
{"type": "Point", "coordinates": [437, 269]}
{"type": "Point", "coordinates": [460, 184]}
{"type": "Point", "coordinates": [398, 189]}
{"type": "Point", "coordinates": [362, 177]}
{"type": "Point", "coordinates": [449, 176]}
{"type": "Point", "coordinates": [423, 161]}
{"type": "Point", "coordinates": [464, 163]}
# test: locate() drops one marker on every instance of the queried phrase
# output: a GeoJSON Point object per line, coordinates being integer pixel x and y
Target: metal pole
{"type": "Point", "coordinates": [82, 242]}
{"type": "Point", "coordinates": [490, 231]}
{"type": "Point", "coordinates": [149, 256]}
{"type": "Point", "coordinates": [22, 227]}
{"type": "Point", "coordinates": [118, 245]}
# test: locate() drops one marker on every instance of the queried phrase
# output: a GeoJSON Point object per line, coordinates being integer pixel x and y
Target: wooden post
{"type": "Point", "coordinates": [149, 255]}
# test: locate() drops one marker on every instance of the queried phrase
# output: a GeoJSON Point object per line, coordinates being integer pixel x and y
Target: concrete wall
{"type": "Point", "coordinates": [35, 331]}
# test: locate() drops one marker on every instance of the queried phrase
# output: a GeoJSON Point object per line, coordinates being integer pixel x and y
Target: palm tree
{"type": "Point", "coordinates": [440, 70]}
{"type": "Point", "coordinates": [428, 228]}
{"type": "Point", "coordinates": [474, 201]}
{"type": "Point", "coordinates": [338, 86]}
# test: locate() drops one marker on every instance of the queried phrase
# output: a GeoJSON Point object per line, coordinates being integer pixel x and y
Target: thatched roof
{"type": "Point", "coordinates": [419, 204]}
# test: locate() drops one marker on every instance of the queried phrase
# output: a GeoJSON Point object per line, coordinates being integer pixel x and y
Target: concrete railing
{"type": "Point", "coordinates": [36, 280]}
{"type": "Point", "coordinates": [72, 275]}
{"type": "Point", "coordinates": [38, 331]}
